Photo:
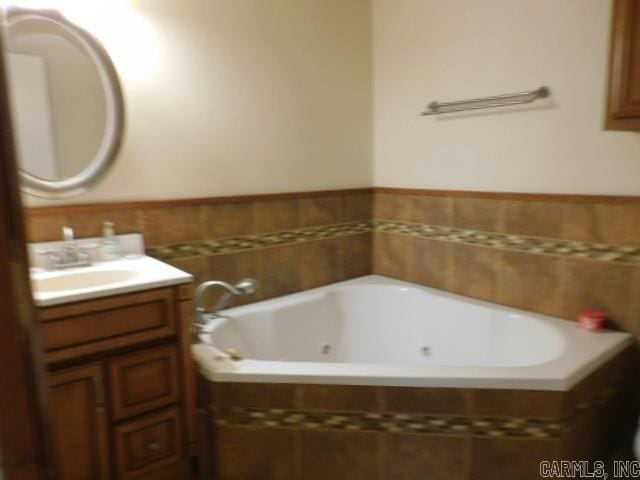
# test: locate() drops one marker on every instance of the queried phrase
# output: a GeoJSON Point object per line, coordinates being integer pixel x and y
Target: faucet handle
{"type": "Point", "coordinates": [67, 234]}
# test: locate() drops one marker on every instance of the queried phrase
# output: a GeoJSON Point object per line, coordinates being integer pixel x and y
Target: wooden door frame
{"type": "Point", "coordinates": [23, 401]}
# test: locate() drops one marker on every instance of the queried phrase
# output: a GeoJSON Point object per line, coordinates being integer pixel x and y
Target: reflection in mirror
{"type": "Point", "coordinates": [66, 101]}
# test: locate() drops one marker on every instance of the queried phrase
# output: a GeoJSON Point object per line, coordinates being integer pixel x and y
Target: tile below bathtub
{"type": "Point", "coordinates": [339, 398]}
{"type": "Point", "coordinates": [433, 457]}
{"type": "Point", "coordinates": [253, 395]}
{"type": "Point", "coordinates": [445, 401]}
{"type": "Point", "coordinates": [244, 453]}
{"type": "Point", "coordinates": [340, 455]}
{"type": "Point", "coordinates": [538, 404]}
{"type": "Point", "coordinates": [511, 458]}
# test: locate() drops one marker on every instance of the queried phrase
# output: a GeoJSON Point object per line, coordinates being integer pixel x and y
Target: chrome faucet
{"type": "Point", "coordinates": [202, 315]}
{"type": "Point", "coordinates": [70, 255]}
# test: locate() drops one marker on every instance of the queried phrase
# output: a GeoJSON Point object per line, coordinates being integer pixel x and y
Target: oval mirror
{"type": "Point", "coordinates": [67, 103]}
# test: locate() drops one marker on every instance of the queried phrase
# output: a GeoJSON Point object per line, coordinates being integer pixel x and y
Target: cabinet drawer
{"type": "Point", "coordinates": [144, 381]}
{"type": "Point", "coordinates": [148, 444]}
{"type": "Point", "coordinates": [88, 327]}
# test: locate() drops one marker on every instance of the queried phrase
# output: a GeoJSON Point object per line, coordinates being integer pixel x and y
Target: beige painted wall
{"type": "Point", "coordinates": [447, 50]}
{"type": "Point", "coordinates": [251, 96]}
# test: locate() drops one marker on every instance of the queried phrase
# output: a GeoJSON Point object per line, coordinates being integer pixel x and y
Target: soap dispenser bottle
{"type": "Point", "coordinates": [110, 248]}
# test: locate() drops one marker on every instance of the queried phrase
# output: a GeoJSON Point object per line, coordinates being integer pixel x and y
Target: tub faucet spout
{"type": "Point", "coordinates": [243, 287]}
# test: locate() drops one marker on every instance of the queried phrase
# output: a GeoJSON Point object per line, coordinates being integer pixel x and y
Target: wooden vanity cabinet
{"type": "Point", "coordinates": [120, 381]}
{"type": "Point", "coordinates": [80, 427]}
{"type": "Point", "coordinates": [623, 106]}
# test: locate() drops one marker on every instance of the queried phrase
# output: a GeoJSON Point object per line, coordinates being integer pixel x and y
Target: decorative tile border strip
{"type": "Point", "coordinates": [414, 423]}
{"type": "Point", "coordinates": [522, 243]}
{"type": "Point", "coordinates": [390, 422]}
{"type": "Point", "coordinates": [250, 242]}
{"type": "Point", "coordinates": [564, 248]}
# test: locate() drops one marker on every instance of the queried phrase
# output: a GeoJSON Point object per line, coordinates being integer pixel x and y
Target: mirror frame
{"type": "Point", "coordinates": [115, 121]}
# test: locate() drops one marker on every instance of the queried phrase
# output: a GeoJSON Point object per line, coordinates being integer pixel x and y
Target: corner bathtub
{"type": "Point", "coordinates": [379, 331]}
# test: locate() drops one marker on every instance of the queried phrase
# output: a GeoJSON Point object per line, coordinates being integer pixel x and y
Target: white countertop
{"type": "Point", "coordinates": [150, 273]}
{"type": "Point", "coordinates": [143, 273]}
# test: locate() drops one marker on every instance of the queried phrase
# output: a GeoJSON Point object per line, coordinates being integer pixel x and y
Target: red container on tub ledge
{"type": "Point", "coordinates": [592, 320]}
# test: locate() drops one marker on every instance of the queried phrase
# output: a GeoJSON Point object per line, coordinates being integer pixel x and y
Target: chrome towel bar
{"type": "Point", "coordinates": [437, 108]}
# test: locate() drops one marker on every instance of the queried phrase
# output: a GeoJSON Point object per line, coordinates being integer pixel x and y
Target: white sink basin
{"type": "Point", "coordinates": [80, 280]}
{"type": "Point", "coordinates": [132, 273]}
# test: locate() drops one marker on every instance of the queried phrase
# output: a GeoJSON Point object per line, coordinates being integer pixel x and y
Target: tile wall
{"type": "Point", "coordinates": [553, 254]}
{"type": "Point", "coordinates": [556, 255]}
{"type": "Point", "coordinates": [287, 242]}
{"type": "Point", "coordinates": [285, 431]}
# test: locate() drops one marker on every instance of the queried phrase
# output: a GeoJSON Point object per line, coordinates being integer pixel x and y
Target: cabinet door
{"type": "Point", "coordinates": [79, 424]}
{"type": "Point", "coordinates": [624, 82]}
{"type": "Point", "coordinates": [144, 381]}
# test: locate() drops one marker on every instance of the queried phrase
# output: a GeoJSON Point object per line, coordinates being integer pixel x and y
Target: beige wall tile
{"type": "Point", "coordinates": [233, 267]}
{"type": "Point", "coordinates": [391, 207]}
{"type": "Point", "coordinates": [276, 215]}
{"type": "Point", "coordinates": [592, 285]}
{"type": "Point", "coordinates": [356, 251]}
{"type": "Point", "coordinates": [538, 219]}
{"type": "Point", "coordinates": [90, 224]}
{"type": "Point", "coordinates": [476, 271]}
{"type": "Point", "coordinates": [166, 226]}
{"type": "Point", "coordinates": [431, 210]}
{"type": "Point", "coordinates": [392, 255]}
{"type": "Point", "coordinates": [478, 214]}
{"type": "Point", "coordinates": [605, 223]}
{"type": "Point", "coordinates": [320, 263]}
{"type": "Point", "coordinates": [316, 211]}
{"type": "Point", "coordinates": [530, 281]}
{"type": "Point", "coordinates": [431, 262]}
{"type": "Point", "coordinates": [45, 228]}
{"type": "Point", "coordinates": [281, 269]}
{"type": "Point", "coordinates": [227, 219]}
{"type": "Point", "coordinates": [357, 207]}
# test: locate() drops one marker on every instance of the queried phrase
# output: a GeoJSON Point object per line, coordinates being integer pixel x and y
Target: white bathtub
{"type": "Point", "coordinates": [379, 331]}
